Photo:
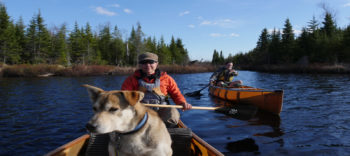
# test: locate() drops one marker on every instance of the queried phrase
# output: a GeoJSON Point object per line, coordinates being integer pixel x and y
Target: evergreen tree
{"type": "Point", "coordinates": [22, 41]}
{"type": "Point", "coordinates": [275, 47]}
{"type": "Point", "coordinates": [118, 47]}
{"type": "Point", "coordinates": [216, 58]}
{"type": "Point", "coordinates": [135, 44]}
{"type": "Point", "coordinates": [262, 48]}
{"type": "Point", "coordinates": [345, 52]}
{"type": "Point", "coordinates": [4, 24]}
{"type": "Point", "coordinates": [76, 49]}
{"type": "Point", "coordinates": [313, 25]}
{"type": "Point", "coordinates": [184, 59]}
{"type": "Point", "coordinates": [61, 47]}
{"type": "Point", "coordinates": [44, 39]}
{"type": "Point", "coordinates": [31, 35]}
{"type": "Point", "coordinates": [175, 54]}
{"type": "Point", "coordinates": [11, 47]}
{"type": "Point", "coordinates": [150, 45]}
{"type": "Point", "coordinates": [287, 42]}
{"type": "Point", "coordinates": [105, 40]}
{"type": "Point", "coordinates": [329, 27]}
{"type": "Point", "coordinates": [164, 54]}
{"type": "Point", "coordinates": [221, 58]}
{"type": "Point", "coordinates": [88, 44]}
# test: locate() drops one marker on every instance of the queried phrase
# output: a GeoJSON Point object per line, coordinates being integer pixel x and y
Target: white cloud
{"type": "Point", "coordinates": [184, 13]}
{"type": "Point", "coordinates": [223, 35]}
{"type": "Point", "coordinates": [225, 23]}
{"type": "Point", "coordinates": [191, 26]}
{"type": "Point", "coordinates": [297, 32]}
{"type": "Point", "coordinates": [216, 35]}
{"type": "Point", "coordinates": [347, 5]}
{"type": "Point", "coordinates": [128, 11]}
{"type": "Point", "coordinates": [234, 35]}
{"type": "Point", "coordinates": [103, 11]}
{"type": "Point", "coordinates": [115, 5]}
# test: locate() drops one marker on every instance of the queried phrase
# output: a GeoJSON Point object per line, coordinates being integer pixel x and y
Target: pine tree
{"type": "Point", "coordinates": [44, 39]}
{"type": "Point", "coordinates": [61, 46]}
{"type": "Point", "coordinates": [76, 49]}
{"type": "Point", "coordinates": [329, 26]}
{"type": "Point", "coordinates": [174, 51]}
{"type": "Point", "coordinates": [216, 58]}
{"type": "Point", "coordinates": [345, 52]}
{"type": "Point", "coordinates": [288, 42]}
{"type": "Point", "coordinates": [164, 54]}
{"type": "Point", "coordinates": [275, 46]}
{"type": "Point", "coordinates": [4, 24]}
{"type": "Point", "coordinates": [221, 58]}
{"type": "Point", "coordinates": [104, 43]}
{"type": "Point", "coordinates": [88, 42]}
{"type": "Point", "coordinates": [135, 44]}
{"type": "Point", "coordinates": [313, 25]}
{"type": "Point", "coordinates": [262, 48]}
{"type": "Point", "coordinates": [118, 47]}
{"type": "Point", "coordinates": [22, 41]}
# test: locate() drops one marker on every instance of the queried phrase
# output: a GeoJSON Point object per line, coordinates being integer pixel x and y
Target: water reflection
{"type": "Point", "coordinates": [253, 117]}
{"type": "Point", "coordinates": [244, 145]}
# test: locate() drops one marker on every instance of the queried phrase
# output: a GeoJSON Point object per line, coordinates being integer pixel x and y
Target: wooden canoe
{"type": "Point", "coordinates": [198, 146]}
{"type": "Point", "coordinates": [268, 100]}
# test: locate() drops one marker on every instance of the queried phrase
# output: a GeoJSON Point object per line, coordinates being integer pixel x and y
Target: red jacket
{"type": "Point", "coordinates": [167, 85]}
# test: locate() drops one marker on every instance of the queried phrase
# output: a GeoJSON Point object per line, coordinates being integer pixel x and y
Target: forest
{"type": "Point", "coordinates": [36, 44]}
{"type": "Point", "coordinates": [318, 43]}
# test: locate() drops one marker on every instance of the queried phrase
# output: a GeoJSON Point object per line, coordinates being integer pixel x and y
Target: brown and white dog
{"type": "Point", "coordinates": [139, 130]}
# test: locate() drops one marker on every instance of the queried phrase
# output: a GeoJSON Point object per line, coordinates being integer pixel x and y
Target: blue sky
{"type": "Point", "coordinates": [230, 26]}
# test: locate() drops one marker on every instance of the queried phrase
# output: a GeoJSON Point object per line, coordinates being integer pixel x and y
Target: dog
{"type": "Point", "coordinates": [133, 128]}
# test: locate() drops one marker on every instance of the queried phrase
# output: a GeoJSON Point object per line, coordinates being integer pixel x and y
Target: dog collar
{"type": "Point", "coordinates": [140, 125]}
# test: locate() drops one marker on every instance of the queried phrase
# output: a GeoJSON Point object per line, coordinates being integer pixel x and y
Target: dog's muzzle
{"type": "Point", "coordinates": [90, 127]}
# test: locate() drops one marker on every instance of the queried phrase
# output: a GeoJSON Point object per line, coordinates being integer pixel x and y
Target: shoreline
{"type": "Point", "coordinates": [45, 70]}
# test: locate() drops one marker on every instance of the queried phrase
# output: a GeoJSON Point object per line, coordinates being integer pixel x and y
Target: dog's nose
{"type": "Point", "coordinates": [90, 127]}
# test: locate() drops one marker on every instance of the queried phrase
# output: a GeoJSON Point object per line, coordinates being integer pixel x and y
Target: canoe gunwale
{"type": "Point", "coordinates": [248, 89]}
{"type": "Point", "coordinates": [61, 150]}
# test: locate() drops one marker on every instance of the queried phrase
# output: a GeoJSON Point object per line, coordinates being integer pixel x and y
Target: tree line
{"type": "Point", "coordinates": [323, 43]}
{"type": "Point", "coordinates": [36, 44]}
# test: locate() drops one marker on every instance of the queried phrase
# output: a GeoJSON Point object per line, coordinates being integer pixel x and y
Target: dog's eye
{"type": "Point", "coordinates": [113, 109]}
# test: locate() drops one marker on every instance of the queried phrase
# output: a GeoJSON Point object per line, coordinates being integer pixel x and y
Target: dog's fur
{"type": "Point", "coordinates": [121, 111]}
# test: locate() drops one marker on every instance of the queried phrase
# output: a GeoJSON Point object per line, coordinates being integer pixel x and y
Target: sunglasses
{"type": "Point", "coordinates": [147, 62]}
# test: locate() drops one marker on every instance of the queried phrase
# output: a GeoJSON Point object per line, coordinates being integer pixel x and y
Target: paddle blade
{"type": "Point", "coordinates": [193, 94]}
{"type": "Point", "coordinates": [241, 111]}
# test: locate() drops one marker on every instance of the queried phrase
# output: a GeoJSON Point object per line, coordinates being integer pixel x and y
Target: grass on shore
{"type": "Point", "coordinates": [43, 70]}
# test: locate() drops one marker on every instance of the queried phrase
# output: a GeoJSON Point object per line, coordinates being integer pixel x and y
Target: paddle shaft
{"type": "Point", "coordinates": [179, 106]}
{"type": "Point", "coordinates": [204, 87]}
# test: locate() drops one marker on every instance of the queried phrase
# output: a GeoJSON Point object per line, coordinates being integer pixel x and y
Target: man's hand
{"type": "Point", "coordinates": [186, 106]}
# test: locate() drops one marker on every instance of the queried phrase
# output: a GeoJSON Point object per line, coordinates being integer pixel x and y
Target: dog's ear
{"type": "Point", "coordinates": [132, 97]}
{"type": "Point", "coordinates": [94, 92]}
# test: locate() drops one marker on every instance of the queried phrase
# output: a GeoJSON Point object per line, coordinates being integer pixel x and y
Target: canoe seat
{"type": "Point", "coordinates": [181, 141]}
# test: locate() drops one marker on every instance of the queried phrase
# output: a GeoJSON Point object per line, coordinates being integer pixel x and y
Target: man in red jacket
{"type": "Point", "coordinates": [157, 86]}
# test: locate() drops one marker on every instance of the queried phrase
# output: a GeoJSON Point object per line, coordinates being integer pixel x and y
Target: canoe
{"type": "Point", "coordinates": [198, 146]}
{"type": "Point", "coordinates": [268, 100]}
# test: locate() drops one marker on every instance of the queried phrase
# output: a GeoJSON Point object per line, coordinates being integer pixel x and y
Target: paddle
{"type": "Point", "coordinates": [196, 93]}
{"type": "Point", "coordinates": [179, 106]}
{"type": "Point", "coordinates": [226, 110]}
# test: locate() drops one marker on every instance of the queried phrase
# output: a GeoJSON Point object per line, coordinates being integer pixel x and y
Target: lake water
{"type": "Point", "coordinates": [39, 114]}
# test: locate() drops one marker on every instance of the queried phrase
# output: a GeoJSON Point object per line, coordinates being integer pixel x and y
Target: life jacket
{"type": "Point", "coordinates": [225, 76]}
{"type": "Point", "coordinates": [152, 93]}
